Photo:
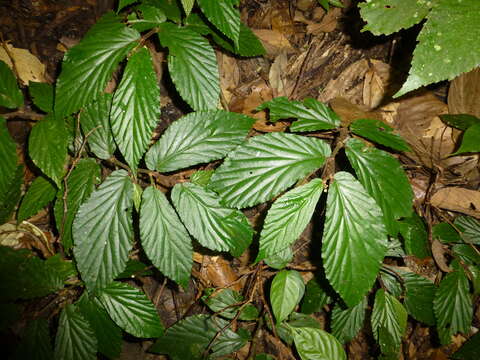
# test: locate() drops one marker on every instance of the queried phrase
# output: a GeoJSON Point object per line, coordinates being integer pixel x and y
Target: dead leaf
{"type": "Point", "coordinates": [274, 42]}
{"type": "Point", "coordinates": [458, 199]}
{"type": "Point", "coordinates": [349, 112]}
{"type": "Point", "coordinates": [28, 66]}
{"type": "Point", "coordinates": [438, 252]}
{"type": "Point", "coordinates": [376, 83]}
{"type": "Point", "coordinates": [277, 75]}
{"type": "Point", "coordinates": [328, 24]}
{"type": "Point", "coordinates": [464, 94]}
{"type": "Point", "coordinates": [217, 271]}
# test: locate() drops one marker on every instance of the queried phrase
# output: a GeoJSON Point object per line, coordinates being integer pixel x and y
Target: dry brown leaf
{"type": "Point", "coordinates": [328, 24]}
{"type": "Point", "coordinates": [218, 272]}
{"type": "Point", "coordinates": [249, 96]}
{"type": "Point", "coordinates": [274, 42]}
{"type": "Point", "coordinates": [349, 112]}
{"type": "Point", "coordinates": [458, 199]}
{"type": "Point", "coordinates": [28, 66]}
{"type": "Point", "coordinates": [438, 253]}
{"type": "Point", "coordinates": [464, 94]}
{"type": "Point", "coordinates": [229, 74]}
{"type": "Point", "coordinates": [277, 75]}
{"type": "Point", "coordinates": [376, 83]}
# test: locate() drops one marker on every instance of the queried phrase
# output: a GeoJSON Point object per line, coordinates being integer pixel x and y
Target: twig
{"type": "Point", "coordinates": [24, 114]}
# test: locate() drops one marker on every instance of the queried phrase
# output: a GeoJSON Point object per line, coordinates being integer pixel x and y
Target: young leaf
{"type": "Point", "coordinates": [470, 228]}
{"type": "Point", "coordinates": [346, 323]}
{"type": "Point", "coordinates": [453, 305]}
{"type": "Point", "coordinates": [415, 236]}
{"type": "Point", "coordinates": [75, 338]}
{"type": "Point", "coordinates": [102, 231]}
{"type": "Point", "coordinates": [192, 65]}
{"type": "Point", "coordinates": [135, 107]}
{"type": "Point", "coordinates": [265, 165]}
{"type": "Point", "coordinates": [109, 335]}
{"type": "Point", "coordinates": [198, 138]}
{"type": "Point", "coordinates": [187, 6]}
{"type": "Point", "coordinates": [312, 115]}
{"type": "Point", "coordinates": [47, 147]}
{"type": "Point", "coordinates": [89, 65]}
{"type": "Point", "coordinates": [201, 177]}
{"type": "Point", "coordinates": [280, 259]}
{"type": "Point", "coordinates": [419, 296]}
{"type": "Point", "coordinates": [36, 342]}
{"type": "Point", "coordinates": [8, 154]}
{"type": "Point", "coordinates": [38, 195]}
{"type": "Point", "coordinates": [151, 16]}
{"type": "Point", "coordinates": [288, 217]}
{"type": "Point", "coordinates": [384, 179]}
{"type": "Point", "coordinates": [444, 36]}
{"type": "Point", "coordinates": [212, 224]}
{"type": "Point", "coordinates": [316, 344]}
{"type": "Point", "coordinates": [229, 342]}
{"type": "Point", "coordinates": [95, 121]}
{"type": "Point", "coordinates": [389, 322]}
{"type": "Point", "coordinates": [389, 16]}
{"type": "Point", "coordinates": [315, 297]}
{"type": "Point", "coordinates": [285, 293]}
{"type": "Point", "coordinates": [42, 95]}
{"type": "Point", "coordinates": [10, 95]}
{"type": "Point", "coordinates": [354, 239]}
{"type": "Point", "coordinates": [80, 185]}
{"type": "Point", "coordinates": [379, 132]}
{"type": "Point", "coordinates": [470, 140]}
{"type": "Point", "coordinates": [131, 310]}
{"type": "Point", "coordinates": [164, 238]}
{"type": "Point", "coordinates": [223, 15]}
{"type": "Point", "coordinates": [227, 302]}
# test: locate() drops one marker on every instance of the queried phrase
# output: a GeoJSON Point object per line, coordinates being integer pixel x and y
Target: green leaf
{"type": "Point", "coordinates": [80, 185]}
{"type": "Point", "coordinates": [470, 228]}
{"type": "Point", "coordinates": [229, 342]}
{"type": "Point", "coordinates": [201, 177]}
{"type": "Point", "coordinates": [223, 15]}
{"type": "Point", "coordinates": [469, 350]}
{"type": "Point", "coordinates": [171, 8]}
{"type": "Point", "coordinates": [42, 95]}
{"type": "Point", "coordinates": [109, 335]}
{"type": "Point", "coordinates": [286, 291]}
{"type": "Point", "coordinates": [10, 95]}
{"type": "Point", "coordinates": [389, 16]}
{"type": "Point", "coordinates": [88, 66]}
{"type": "Point", "coordinates": [152, 16]}
{"type": "Point", "coordinates": [389, 322]}
{"type": "Point", "coordinates": [40, 193]}
{"type": "Point", "coordinates": [124, 3]}
{"type": "Point", "coordinates": [263, 357]}
{"type": "Point", "coordinates": [188, 338]}
{"type": "Point", "coordinates": [135, 107]}
{"type": "Point", "coordinates": [453, 305]}
{"type": "Point", "coordinates": [265, 165]}
{"type": "Point", "coordinates": [164, 238]}
{"type": "Point", "coordinates": [192, 66]}
{"type": "Point", "coordinates": [354, 239]}
{"type": "Point", "coordinates": [35, 344]}
{"type": "Point", "coordinates": [214, 226]}
{"type": "Point", "coordinates": [187, 6]}
{"type": "Point", "coordinates": [288, 217]}
{"type": "Point", "coordinates": [131, 310]}
{"type": "Point", "coordinates": [384, 179]}
{"type": "Point", "coordinates": [227, 302]}
{"type": "Point", "coordinates": [470, 140]}
{"type": "Point", "coordinates": [346, 323]}
{"type": "Point", "coordinates": [198, 138]}
{"type": "Point", "coordinates": [315, 297]}
{"type": "Point", "coordinates": [312, 115]}
{"type": "Point", "coordinates": [316, 344]}
{"type": "Point", "coordinates": [450, 35]}
{"type": "Point", "coordinates": [460, 121]}
{"type": "Point", "coordinates": [95, 121]}
{"type": "Point", "coordinates": [102, 231]}
{"type": "Point", "coordinates": [419, 296]}
{"type": "Point", "coordinates": [280, 259]}
{"type": "Point", "coordinates": [379, 132]}
{"type": "Point", "coordinates": [446, 233]}
{"type": "Point", "coordinates": [75, 338]}
{"type": "Point", "coordinates": [133, 269]}
{"type": "Point", "coordinates": [8, 154]}
{"type": "Point", "coordinates": [467, 253]}
{"type": "Point", "coordinates": [415, 236]}
{"type": "Point", "coordinates": [47, 147]}
{"type": "Point", "coordinates": [10, 195]}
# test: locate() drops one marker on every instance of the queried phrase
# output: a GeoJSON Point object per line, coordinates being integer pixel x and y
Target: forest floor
{"type": "Point", "coordinates": [310, 53]}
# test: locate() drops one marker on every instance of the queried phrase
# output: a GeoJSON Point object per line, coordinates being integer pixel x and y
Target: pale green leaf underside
{"type": "Point", "coordinates": [47, 147]}
{"type": "Point", "coordinates": [348, 322]}
{"type": "Point", "coordinates": [89, 65]}
{"type": "Point", "coordinates": [80, 185]}
{"type": "Point", "coordinates": [389, 16]}
{"type": "Point", "coordinates": [95, 121]}
{"type": "Point", "coordinates": [316, 344]}
{"type": "Point", "coordinates": [38, 195]}
{"type": "Point", "coordinates": [8, 154]}
{"type": "Point", "coordinates": [223, 15]}
{"type": "Point", "coordinates": [10, 95]}
{"type": "Point", "coordinates": [135, 107]}
{"type": "Point", "coordinates": [131, 310]}
{"type": "Point", "coordinates": [453, 305]}
{"type": "Point", "coordinates": [450, 36]}
{"type": "Point", "coordinates": [212, 224]}
{"type": "Point", "coordinates": [354, 238]}
{"type": "Point", "coordinates": [388, 315]}
{"type": "Point", "coordinates": [198, 138]}
{"type": "Point", "coordinates": [102, 231]}
{"type": "Point", "coordinates": [288, 217]}
{"type": "Point", "coordinates": [187, 6]}
{"type": "Point", "coordinates": [265, 165]}
{"type": "Point", "coordinates": [75, 338]}
{"type": "Point", "coordinates": [164, 238]}
{"type": "Point", "coordinates": [192, 66]}
{"type": "Point", "coordinates": [384, 179]}
{"type": "Point", "coordinates": [285, 293]}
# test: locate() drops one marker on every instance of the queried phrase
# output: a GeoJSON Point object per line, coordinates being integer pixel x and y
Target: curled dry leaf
{"type": "Point", "coordinates": [458, 199]}
{"type": "Point", "coordinates": [438, 252]}
{"type": "Point", "coordinates": [277, 76]}
{"type": "Point", "coordinates": [218, 272]}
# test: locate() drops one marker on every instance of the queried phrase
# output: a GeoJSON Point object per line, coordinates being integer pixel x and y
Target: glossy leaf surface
{"type": "Point", "coordinates": [286, 291]}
